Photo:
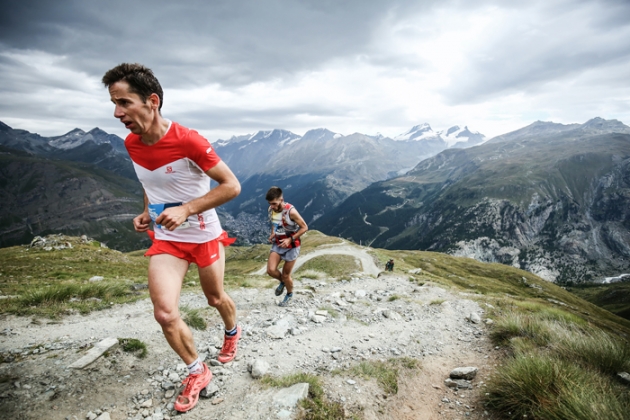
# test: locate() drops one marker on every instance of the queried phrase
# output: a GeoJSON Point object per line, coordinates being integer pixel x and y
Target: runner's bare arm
{"type": "Point", "coordinates": [142, 221]}
{"type": "Point", "coordinates": [228, 188]}
{"type": "Point", "coordinates": [297, 218]}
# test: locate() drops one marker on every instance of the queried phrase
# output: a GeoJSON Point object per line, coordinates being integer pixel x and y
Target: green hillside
{"type": "Point", "coordinates": [539, 324]}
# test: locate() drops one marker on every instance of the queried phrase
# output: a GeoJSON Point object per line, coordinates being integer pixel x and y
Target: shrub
{"type": "Point", "coordinates": [545, 387]}
{"type": "Point", "coordinates": [132, 345]}
{"type": "Point", "coordinates": [193, 318]}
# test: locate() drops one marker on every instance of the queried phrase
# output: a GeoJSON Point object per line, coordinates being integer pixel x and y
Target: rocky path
{"type": "Point", "coordinates": [330, 325]}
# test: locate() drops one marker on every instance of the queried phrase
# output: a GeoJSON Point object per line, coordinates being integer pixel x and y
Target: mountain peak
{"type": "Point", "coordinates": [417, 132]}
{"type": "Point", "coordinates": [599, 124]}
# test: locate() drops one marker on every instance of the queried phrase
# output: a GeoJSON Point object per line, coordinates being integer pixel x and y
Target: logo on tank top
{"type": "Point", "coordinates": [169, 170]}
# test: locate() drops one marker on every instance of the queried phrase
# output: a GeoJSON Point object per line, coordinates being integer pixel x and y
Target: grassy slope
{"type": "Point", "coordinates": [541, 325]}
{"type": "Point", "coordinates": [612, 297]}
{"type": "Point", "coordinates": [25, 270]}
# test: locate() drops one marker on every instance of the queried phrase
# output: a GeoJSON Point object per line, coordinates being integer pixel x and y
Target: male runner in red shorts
{"type": "Point", "coordinates": [174, 165]}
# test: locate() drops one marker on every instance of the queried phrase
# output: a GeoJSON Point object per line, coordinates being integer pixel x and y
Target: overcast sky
{"type": "Point", "coordinates": [236, 67]}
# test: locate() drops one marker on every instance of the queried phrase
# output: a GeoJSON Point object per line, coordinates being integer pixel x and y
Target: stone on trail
{"type": "Point", "coordinates": [104, 416]}
{"type": "Point", "coordinates": [457, 383]}
{"type": "Point", "coordinates": [94, 353]}
{"type": "Point", "coordinates": [318, 319]}
{"type": "Point", "coordinates": [468, 372]}
{"type": "Point", "coordinates": [281, 327]}
{"type": "Point", "coordinates": [209, 391]}
{"type": "Point", "coordinates": [474, 318]}
{"type": "Point", "coordinates": [259, 368]}
{"type": "Point", "coordinates": [289, 397]}
{"type": "Point", "coordinates": [625, 377]}
{"type": "Point", "coordinates": [393, 315]}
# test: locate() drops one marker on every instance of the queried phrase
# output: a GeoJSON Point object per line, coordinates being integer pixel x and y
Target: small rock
{"type": "Point", "coordinates": [625, 377]}
{"type": "Point", "coordinates": [474, 318]}
{"type": "Point", "coordinates": [211, 390]}
{"type": "Point", "coordinates": [318, 319]}
{"type": "Point", "coordinates": [217, 400]}
{"type": "Point", "coordinates": [148, 403]}
{"type": "Point", "coordinates": [457, 383]}
{"type": "Point", "coordinates": [392, 315]}
{"type": "Point", "coordinates": [259, 368]}
{"type": "Point", "coordinates": [360, 293]}
{"type": "Point", "coordinates": [289, 397]}
{"type": "Point", "coordinates": [96, 278]}
{"type": "Point", "coordinates": [351, 381]}
{"type": "Point", "coordinates": [104, 416]}
{"type": "Point", "coordinates": [464, 373]}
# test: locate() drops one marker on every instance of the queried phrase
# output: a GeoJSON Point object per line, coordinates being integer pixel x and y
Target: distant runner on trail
{"type": "Point", "coordinates": [286, 228]}
{"type": "Point", "coordinates": [175, 165]}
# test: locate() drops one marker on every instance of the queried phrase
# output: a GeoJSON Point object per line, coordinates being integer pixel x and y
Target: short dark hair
{"type": "Point", "coordinates": [140, 79]}
{"type": "Point", "coordinates": [273, 193]}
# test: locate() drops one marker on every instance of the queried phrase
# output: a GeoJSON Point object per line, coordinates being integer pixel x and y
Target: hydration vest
{"type": "Point", "coordinates": [287, 227]}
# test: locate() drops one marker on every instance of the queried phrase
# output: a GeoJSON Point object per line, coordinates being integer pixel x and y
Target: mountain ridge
{"type": "Point", "coordinates": [526, 199]}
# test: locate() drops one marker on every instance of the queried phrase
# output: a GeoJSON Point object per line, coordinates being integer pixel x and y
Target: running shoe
{"type": "Point", "coordinates": [286, 301]}
{"type": "Point", "coordinates": [193, 384]}
{"type": "Point", "coordinates": [280, 289]}
{"type": "Point", "coordinates": [228, 351]}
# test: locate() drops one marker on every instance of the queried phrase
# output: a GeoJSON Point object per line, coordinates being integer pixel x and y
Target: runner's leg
{"type": "Point", "coordinates": [286, 275]}
{"type": "Point", "coordinates": [166, 274]}
{"type": "Point", "coordinates": [211, 279]}
{"type": "Point", "coordinates": [272, 266]}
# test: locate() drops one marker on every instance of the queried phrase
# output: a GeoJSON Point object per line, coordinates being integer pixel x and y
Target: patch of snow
{"type": "Point", "coordinates": [617, 279]}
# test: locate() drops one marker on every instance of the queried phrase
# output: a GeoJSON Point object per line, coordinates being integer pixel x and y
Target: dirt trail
{"type": "Point", "coordinates": [360, 253]}
{"type": "Point", "coordinates": [368, 318]}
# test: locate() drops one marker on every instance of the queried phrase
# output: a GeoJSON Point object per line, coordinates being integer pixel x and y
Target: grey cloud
{"type": "Point", "coordinates": [264, 119]}
{"type": "Point", "coordinates": [232, 43]}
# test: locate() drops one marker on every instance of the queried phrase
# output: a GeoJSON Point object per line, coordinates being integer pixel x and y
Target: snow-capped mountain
{"type": "Point", "coordinates": [453, 137]}
{"type": "Point", "coordinates": [418, 132]}
{"type": "Point", "coordinates": [460, 138]}
{"type": "Point", "coordinates": [78, 137]}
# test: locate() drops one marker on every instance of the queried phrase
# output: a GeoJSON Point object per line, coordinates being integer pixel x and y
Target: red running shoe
{"type": "Point", "coordinates": [193, 384]}
{"type": "Point", "coordinates": [229, 347]}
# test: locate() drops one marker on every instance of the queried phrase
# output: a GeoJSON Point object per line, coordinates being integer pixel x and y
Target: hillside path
{"type": "Point", "coordinates": [365, 319]}
{"type": "Point", "coordinates": [367, 262]}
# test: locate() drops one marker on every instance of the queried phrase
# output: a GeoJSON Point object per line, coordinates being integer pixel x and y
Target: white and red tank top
{"type": "Point", "coordinates": [172, 171]}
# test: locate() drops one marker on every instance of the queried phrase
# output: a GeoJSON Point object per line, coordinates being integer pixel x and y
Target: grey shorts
{"type": "Point", "coordinates": [286, 254]}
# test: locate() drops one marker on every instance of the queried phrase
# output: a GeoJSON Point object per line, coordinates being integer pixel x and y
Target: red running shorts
{"type": "Point", "coordinates": [203, 255]}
